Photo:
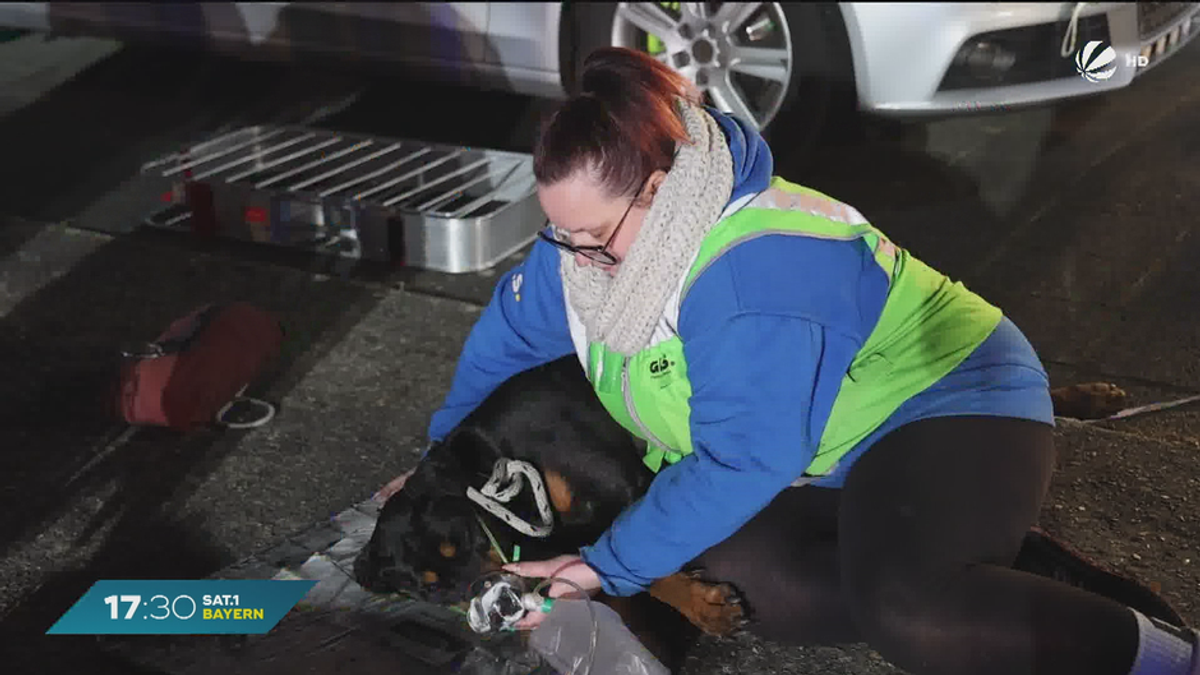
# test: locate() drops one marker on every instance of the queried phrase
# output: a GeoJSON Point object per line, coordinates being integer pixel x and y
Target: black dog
{"type": "Point", "coordinates": [428, 537]}
{"type": "Point", "coordinates": [433, 541]}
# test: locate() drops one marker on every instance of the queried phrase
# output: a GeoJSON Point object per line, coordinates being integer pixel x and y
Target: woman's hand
{"type": "Point", "coordinates": [394, 486]}
{"type": "Point", "coordinates": [569, 567]}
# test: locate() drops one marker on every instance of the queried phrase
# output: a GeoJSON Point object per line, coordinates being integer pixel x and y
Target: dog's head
{"type": "Point", "coordinates": [427, 541]}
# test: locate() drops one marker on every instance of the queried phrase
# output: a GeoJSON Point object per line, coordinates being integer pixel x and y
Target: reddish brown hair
{"type": "Point", "coordinates": [621, 125]}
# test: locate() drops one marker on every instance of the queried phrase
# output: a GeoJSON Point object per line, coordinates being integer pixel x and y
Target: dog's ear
{"type": "Point", "coordinates": [470, 452]}
{"type": "Point", "coordinates": [436, 479]}
{"type": "Point", "coordinates": [442, 460]}
{"type": "Point", "coordinates": [398, 506]}
{"type": "Point", "coordinates": [422, 479]}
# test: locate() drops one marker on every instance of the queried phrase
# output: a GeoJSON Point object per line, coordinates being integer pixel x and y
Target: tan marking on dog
{"type": "Point", "coordinates": [711, 607]}
{"type": "Point", "coordinates": [447, 549]}
{"type": "Point", "coordinates": [429, 577]}
{"type": "Point", "coordinates": [560, 492]}
{"type": "Point", "coordinates": [1088, 401]}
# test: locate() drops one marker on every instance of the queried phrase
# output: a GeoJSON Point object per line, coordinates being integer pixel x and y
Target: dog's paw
{"type": "Point", "coordinates": [1089, 401]}
{"type": "Point", "coordinates": [714, 608]}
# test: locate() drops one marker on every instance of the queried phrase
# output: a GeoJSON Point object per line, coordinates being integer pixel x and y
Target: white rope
{"type": "Point", "coordinates": [503, 485]}
{"type": "Point", "coordinates": [246, 425]}
{"type": "Point", "coordinates": [1143, 409]}
{"type": "Point", "coordinates": [1068, 43]}
{"type": "Point", "coordinates": [220, 417]}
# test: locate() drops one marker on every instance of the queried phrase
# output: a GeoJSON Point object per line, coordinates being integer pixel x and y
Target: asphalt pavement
{"type": "Point", "coordinates": [1076, 220]}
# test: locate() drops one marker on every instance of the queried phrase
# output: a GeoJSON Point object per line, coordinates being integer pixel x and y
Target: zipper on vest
{"type": "Point", "coordinates": [632, 410]}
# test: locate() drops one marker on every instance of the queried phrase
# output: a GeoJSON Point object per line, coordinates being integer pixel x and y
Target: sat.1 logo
{"type": "Point", "coordinates": [1096, 62]}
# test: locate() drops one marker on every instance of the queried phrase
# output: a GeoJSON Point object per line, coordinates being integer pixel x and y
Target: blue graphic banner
{"type": "Point", "coordinates": [199, 607]}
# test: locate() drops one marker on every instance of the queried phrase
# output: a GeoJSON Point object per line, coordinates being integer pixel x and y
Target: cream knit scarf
{"type": "Point", "coordinates": [622, 311]}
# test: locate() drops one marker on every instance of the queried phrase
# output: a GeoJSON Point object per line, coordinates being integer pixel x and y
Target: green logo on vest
{"type": "Point", "coordinates": [660, 366]}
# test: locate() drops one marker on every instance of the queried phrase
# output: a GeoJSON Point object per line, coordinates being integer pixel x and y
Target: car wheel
{"type": "Point", "coordinates": [784, 67]}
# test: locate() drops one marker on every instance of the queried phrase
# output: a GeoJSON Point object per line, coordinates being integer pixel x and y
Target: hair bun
{"type": "Point", "coordinates": [600, 82]}
{"type": "Point", "coordinates": [621, 122]}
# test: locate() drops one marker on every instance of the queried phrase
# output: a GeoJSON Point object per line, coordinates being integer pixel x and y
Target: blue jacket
{"type": "Point", "coordinates": [765, 367]}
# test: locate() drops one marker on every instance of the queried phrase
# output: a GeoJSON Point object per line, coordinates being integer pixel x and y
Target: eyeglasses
{"type": "Point", "coordinates": [599, 254]}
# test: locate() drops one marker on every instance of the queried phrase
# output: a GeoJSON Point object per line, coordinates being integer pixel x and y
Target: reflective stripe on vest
{"type": "Point", "coordinates": [928, 326]}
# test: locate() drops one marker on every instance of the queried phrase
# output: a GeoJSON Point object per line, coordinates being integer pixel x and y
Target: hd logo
{"type": "Point", "coordinates": [660, 366]}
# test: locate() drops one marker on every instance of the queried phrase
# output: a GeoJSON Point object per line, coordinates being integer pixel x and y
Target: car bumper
{"type": "Point", "coordinates": [904, 68]}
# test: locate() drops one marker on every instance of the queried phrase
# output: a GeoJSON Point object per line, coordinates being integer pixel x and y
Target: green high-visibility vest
{"type": "Point", "coordinates": [929, 325]}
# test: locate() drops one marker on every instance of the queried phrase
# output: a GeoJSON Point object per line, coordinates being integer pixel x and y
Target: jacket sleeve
{"type": "Point", "coordinates": [523, 326]}
{"type": "Point", "coordinates": [762, 388]}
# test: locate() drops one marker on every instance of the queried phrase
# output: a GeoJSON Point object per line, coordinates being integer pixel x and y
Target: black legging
{"type": "Point", "coordinates": [913, 556]}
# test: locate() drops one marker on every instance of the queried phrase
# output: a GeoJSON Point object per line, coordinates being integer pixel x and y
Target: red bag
{"type": "Point", "coordinates": [198, 367]}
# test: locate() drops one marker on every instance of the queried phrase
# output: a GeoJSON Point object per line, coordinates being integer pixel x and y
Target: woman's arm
{"type": "Point", "coordinates": [524, 325]}
{"type": "Point", "coordinates": [769, 331]}
{"type": "Point", "coordinates": [763, 387]}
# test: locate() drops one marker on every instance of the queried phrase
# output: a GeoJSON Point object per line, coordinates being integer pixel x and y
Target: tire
{"type": "Point", "coordinates": [817, 94]}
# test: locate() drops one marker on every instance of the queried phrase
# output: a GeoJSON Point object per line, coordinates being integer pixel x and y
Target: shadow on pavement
{"type": "Point", "coordinates": [15, 233]}
{"type": "Point", "coordinates": [917, 199]}
{"type": "Point", "coordinates": [119, 519]}
{"type": "Point", "coordinates": [80, 140]}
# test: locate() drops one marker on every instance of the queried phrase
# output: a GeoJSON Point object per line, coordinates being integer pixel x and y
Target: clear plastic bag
{"type": "Point", "coordinates": [564, 640]}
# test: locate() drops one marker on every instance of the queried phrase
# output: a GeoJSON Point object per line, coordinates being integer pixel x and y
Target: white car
{"type": "Point", "coordinates": [772, 63]}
